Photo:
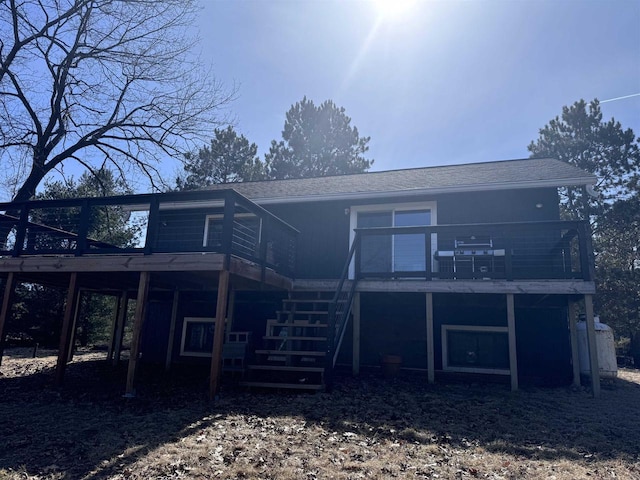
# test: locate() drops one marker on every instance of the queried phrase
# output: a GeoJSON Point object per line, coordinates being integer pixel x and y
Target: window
{"type": "Point", "coordinates": [246, 233]}
{"type": "Point", "coordinates": [475, 349]}
{"type": "Point", "coordinates": [394, 253]}
{"type": "Point", "coordinates": [197, 336]}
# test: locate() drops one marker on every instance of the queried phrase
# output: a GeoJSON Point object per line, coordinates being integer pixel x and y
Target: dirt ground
{"type": "Point", "coordinates": [368, 427]}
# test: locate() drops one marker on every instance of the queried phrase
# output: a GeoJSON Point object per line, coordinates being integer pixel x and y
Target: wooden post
{"type": "Point", "coordinates": [7, 300]}
{"type": "Point", "coordinates": [141, 310]}
{"type": "Point", "coordinates": [65, 332]}
{"type": "Point", "coordinates": [218, 334]}
{"type": "Point", "coordinates": [172, 329]}
{"type": "Point", "coordinates": [231, 308]}
{"type": "Point", "coordinates": [76, 314]}
{"type": "Point", "coordinates": [431, 369]}
{"type": "Point", "coordinates": [123, 303]}
{"type": "Point", "coordinates": [573, 336]}
{"type": "Point", "coordinates": [593, 350]}
{"type": "Point", "coordinates": [114, 325]}
{"type": "Point", "coordinates": [511, 327]}
{"type": "Point", "coordinates": [355, 309]}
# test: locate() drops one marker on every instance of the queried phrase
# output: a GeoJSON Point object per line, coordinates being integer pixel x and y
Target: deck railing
{"type": "Point", "coordinates": [214, 221]}
{"type": "Point", "coordinates": [509, 251]}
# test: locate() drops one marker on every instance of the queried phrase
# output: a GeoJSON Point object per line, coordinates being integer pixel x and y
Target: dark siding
{"type": "Point", "coordinates": [324, 226]}
{"type": "Point", "coordinates": [192, 304]}
{"type": "Point", "coordinates": [472, 310]}
{"type": "Point", "coordinates": [323, 243]}
{"type": "Point", "coordinates": [395, 323]}
{"type": "Point", "coordinates": [499, 206]}
{"type": "Point", "coordinates": [155, 334]}
{"type": "Point", "coordinates": [544, 348]}
{"type": "Point", "coordinates": [253, 309]}
{"type": "Point", "coordinates": [391, 324]}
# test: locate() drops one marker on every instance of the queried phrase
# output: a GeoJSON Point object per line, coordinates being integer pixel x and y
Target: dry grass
{"type": "Point", "coordinates": [367, 428]}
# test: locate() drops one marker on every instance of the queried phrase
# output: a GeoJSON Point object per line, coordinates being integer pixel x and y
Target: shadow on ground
{"type": "Point", "coordinates": [88, 430]}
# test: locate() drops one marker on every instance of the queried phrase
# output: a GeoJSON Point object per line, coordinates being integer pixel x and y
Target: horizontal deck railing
{"type": "Point", "coordinates": [214, 221]}
{"type": "Point", "coordinates": [509, 251]}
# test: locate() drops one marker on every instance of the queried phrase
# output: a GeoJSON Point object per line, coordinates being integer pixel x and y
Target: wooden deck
{"type": "Point", "coordinates": [544, 287]}
{"type": "Point", "coordinates": [55, 269]}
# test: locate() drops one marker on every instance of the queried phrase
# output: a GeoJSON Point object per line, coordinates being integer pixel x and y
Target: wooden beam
{"type": "Point", "coordinates": [573, 337]}
{"type": "Point", "coordinates": [123, 305]}
{"type": "Point", "coordinates": [593, 350]}
{"type": "Point", "coordinates": [431, 371]}
{"type": "Point", "coordinates": [141, 310]}
{"type": "Point", "coordinates": [7, 300]}
{"type": "Point", "coordinates": [172, 329]}
{"type": "Point", "coordinates": [158, 262]}
{"type": "Point", "coordinates": [355, 309]}
{"type": "Point", "coordinates": [218, 334]}
{"type": "Point", "coordinates": [231, 308]}
{"type": "Point", "coordinates": [542, 287]}
{"type": "Point", "coordinates": [513, 356]}
{"type": "Point", "coordinates": [67, 324]}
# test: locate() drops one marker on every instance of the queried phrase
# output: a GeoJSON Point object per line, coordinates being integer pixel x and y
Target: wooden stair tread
{"type": "Point", "coordinates": [292, 386]}
{"type": "Point", "coordinates": [291, 352]}
{"type": "Point", "coordinates": [303, 312]}
{"type": "Point", "coordinates": [286, 368]}
{"type": "Point", "coordinates": [291, 337]}
{"type": "Point", "coordinates": [307, 300]}
{"type": "Point", "coordinates": [296, 323]}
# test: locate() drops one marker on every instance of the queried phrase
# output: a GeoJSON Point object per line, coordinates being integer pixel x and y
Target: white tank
{"type": "Point", "coordinates": [605, 347]}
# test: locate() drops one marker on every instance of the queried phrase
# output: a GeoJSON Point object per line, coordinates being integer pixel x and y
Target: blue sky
{"type": "Point", "coordinates": [448, 82]}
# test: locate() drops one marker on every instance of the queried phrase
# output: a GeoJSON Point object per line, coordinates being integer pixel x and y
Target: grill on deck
{"type": "Point", "coordinates": [473, 256]}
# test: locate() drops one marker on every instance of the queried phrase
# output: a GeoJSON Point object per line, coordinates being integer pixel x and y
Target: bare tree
{"type": "Point", "coordinates": [99, 82]}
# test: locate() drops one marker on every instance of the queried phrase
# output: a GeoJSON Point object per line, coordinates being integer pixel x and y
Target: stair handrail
{"type": "Point", "coordinates": [339, 318]}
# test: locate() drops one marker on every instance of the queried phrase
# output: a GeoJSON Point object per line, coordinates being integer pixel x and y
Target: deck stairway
{"type": "Point", "coordinates": [294, 352]}
{"type": "Point", "coordinates": [302, 343]}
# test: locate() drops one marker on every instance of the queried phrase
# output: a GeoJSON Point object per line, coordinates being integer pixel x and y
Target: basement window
{"type": "Point", "coordinates": [475, 349]}
{"type": "Point", "coordinates": [197, 336]}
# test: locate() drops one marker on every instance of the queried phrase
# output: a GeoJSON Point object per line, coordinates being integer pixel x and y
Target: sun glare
{"type": "Point", "coordinates": [393, 10]}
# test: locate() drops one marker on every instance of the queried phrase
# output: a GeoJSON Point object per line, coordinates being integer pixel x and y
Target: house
{"type": "Point", "coordinates": [461, 269]}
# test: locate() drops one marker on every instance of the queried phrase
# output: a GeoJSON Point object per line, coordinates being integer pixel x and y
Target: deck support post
{"type": "Point", "coordinates": [355, 309]}
{"type": "Point", "coordinates": [7, 300]}
{"type": "Point", "coordinates": [123, 303]}
{"type": "Point", "coordinates": [114, 326]}
{"type": "Point", "coordinates": [66, 333]}
{"type": "Point", "coordinates": [431, 373]}
{"type": "Point", "coordinates": [218, 334]}
{"type": "Point", "coordinates": [513, 356]}
{"type": "Point", "coordinates": [172, 329]}
{"type": "Point", "coordinates": [74, 327]}
{"type": "Point", "coordinates": [593, 350]}
{"type": "Point", "coordinates": [573, 337]}
{"type": "Point", "coordinates": [141, 310]}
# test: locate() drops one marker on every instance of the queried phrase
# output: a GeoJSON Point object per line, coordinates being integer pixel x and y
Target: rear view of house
{"type": "Point", "coordinates": [463, 269]}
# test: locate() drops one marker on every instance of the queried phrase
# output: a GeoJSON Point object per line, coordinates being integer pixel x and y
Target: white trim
{"type": "Point", "coordinates": [432, 206]}
{"type": "Point", "coordinates": [469, 328]}
{"type": "Point", "coordinates": [184, 333]}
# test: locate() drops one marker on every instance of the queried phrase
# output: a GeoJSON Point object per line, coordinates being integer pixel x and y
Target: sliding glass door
{"type": "Point", "coordinates": [393, 253]}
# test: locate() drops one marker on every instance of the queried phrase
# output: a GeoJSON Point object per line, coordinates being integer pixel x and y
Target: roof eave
{"type": "Point", "coordinates": [570, 182]}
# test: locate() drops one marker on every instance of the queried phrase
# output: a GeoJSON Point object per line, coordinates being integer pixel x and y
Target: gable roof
{"type": "Point", "coordinates": [499, 175]}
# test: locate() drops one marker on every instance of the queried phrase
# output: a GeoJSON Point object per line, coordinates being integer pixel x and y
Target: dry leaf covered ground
{"type": "Point", "coordinates": [368, 427]}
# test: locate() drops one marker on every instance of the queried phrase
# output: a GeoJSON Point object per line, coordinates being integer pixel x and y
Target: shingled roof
{"type": "Point", "coordinates": [509, 174]}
